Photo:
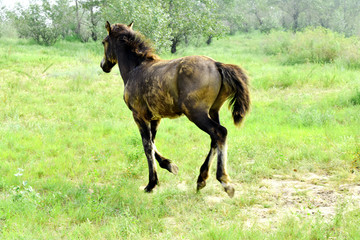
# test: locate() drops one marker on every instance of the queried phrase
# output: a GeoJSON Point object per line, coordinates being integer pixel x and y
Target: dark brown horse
{"type": "Point", "coordinates": [195, 86]}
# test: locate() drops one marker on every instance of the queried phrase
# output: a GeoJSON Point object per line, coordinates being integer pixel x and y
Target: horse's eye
{"type": "Point", "coordinates": [103, 43]}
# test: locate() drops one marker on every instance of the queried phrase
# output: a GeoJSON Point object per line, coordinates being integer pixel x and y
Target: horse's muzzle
{"type": "Point", "coordinates": [105, 66]}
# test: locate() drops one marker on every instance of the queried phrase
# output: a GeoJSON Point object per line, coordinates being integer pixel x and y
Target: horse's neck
{"type": "Point", "coordinates": [127, 61]}
{"type": "Point", "coordinates": [126, 64]}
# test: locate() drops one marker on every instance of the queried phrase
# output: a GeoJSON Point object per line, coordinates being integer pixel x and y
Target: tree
{"type": "Point", "coordinates": [293, 10]}
{"type": "Point", "coordinates": [149, 18]}
{"type": "Point", "coordinates": [232, 15]}
{"type": "Point", "coordinates": [87, 17]}
{"type": "Point", "coordinates": [192, 19]}
{"type": "Point", "coordinates": [167, 22]}
{"type": "Point", "coordinates": [78, 18]}
{"type": "Point", "coordinates": [62, 16]}
{"type": "Point", "coordinates": [264, 14]}
{"type": "Point", "coordinates": [35, 22]}
{"type": "Point", "coordinates": [93, 8]}
{"type": "Point", "coordinates": [349, 10]}
{"type": "Point", "coordinates": [2, 17]}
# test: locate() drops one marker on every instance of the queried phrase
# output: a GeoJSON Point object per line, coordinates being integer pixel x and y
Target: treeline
{"type": "Point", "coordinates": [170, 22]}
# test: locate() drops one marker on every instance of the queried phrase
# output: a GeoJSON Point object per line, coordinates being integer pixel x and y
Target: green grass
{"type": "Point", "coordinates": [314, 45]}
{"type": "Point", "coordinates": [72, 164]}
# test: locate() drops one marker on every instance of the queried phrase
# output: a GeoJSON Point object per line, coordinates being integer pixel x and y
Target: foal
{"type": "Point", "coordinates": [195, 86]}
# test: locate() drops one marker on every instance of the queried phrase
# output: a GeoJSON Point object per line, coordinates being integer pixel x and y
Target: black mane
{"type": "Point", "coordinates": [134, 41]}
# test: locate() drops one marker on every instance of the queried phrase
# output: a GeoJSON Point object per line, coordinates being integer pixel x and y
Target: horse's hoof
{"type": "Point", "coordinates": [168, 165]}
{"type": "Point", "coordinates": [150, 187]}
{"type": "Point", "coordinates": [200, 185]}
{"type": "Point", "coordinates": [230, 190]}
{"type": "Point", "coordinates": [173, 168]}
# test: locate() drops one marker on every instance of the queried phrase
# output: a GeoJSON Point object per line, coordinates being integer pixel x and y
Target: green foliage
{"type": "Point", "coordinates": [2, 19]}
{"type": "Point", "coordinates": [47, 21]}
{"type": "Point", "coordinates": [314, 45]}
{"type": "Point", "coordinates": [167, 23]}
{"type": "Point", "coordinates": [24, 192]}
{"type": "Point", "coordinates": [232, 16]}
{"type": "Point", "coordinates": [193, 19]}
{"type": "Point", "coordinates": [61, 15]}
{"type": "Point", "coordinates": [149, 17]}
{"type": "Point", "coordinates": [355, 99]}
{"type": "Point", "coordinates": [35, 22]}
{"type": "Point", "coordinates": [94, 18]}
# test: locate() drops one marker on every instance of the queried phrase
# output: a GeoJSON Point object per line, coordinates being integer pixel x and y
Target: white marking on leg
{"type": "Point", "coordinates": [225, 185]}
{"type": "Point", "coordinates": [221, 173]}
{"type": "Point", "coordinates": [212, 155]}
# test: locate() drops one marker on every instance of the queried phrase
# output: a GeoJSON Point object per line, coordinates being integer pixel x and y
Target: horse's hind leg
{"type": "Point", "coordinates": [218, 135]}
{"type": "Point", "coordinates": [204, 170]}
{"type": "Point", "coordinates": [145, 131]}
{"type": "Point", "coordinates": [163, 162]}
{"type": "Point", "coordinates": [221, 174]}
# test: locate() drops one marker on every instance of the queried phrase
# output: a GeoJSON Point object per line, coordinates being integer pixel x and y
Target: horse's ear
{"type": "Point", "coordinates": [131, 25]}
{"type": "Point", "coordinates": [108, 27]}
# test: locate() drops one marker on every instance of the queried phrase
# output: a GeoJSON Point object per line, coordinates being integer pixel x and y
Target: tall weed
{"type": "Point", "coordinates": [355, 99]}
{"type": "Point", "coordinates": [314, 45]}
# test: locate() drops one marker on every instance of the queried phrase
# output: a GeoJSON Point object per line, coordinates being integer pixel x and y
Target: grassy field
{"type": "Point", "coordinates": [72, 164]}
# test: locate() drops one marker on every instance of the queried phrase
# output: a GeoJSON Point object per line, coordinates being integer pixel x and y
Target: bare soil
{"type": "Point", "coordinates": [309, 195]}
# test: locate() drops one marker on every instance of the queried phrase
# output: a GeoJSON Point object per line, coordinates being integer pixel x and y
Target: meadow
{"type": "Point", "coordinates": [72, 164]}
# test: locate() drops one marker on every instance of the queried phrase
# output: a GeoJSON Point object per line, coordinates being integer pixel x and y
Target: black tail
{"type": "Point", "coordinates": [236, 78]}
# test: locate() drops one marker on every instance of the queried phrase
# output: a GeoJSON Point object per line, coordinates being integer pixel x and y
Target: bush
{"type": "Point", "coordinates": [355, 99]}
{"type": "Point", "coordinates": [33, 23]}
{"type": "Point", "coordinates": [277, 43]}
{"type": "Point", "coordinates": [315, 45]}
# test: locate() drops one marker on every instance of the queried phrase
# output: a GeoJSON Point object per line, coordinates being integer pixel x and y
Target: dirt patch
{"type": "Point", "coordinates": [211, 200]}
{"type": "Point", "coordinates": [182, 186]}
{"type": "Point", "coordinates": [300, 196]}
{"type": "Point", "coordinates": [308, 195]}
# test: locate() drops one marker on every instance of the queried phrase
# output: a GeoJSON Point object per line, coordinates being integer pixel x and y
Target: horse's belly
{"type": "Point", "coordinates": [169, 114]}
{"type": "Point", "coordinates": [163, 106]}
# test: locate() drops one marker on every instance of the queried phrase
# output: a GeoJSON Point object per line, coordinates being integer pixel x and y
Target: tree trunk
{"type": "Point", "coordinates": [208, 42]}
{"type": "Point", "coordinates": [296, 21]}
{"type": "Point", "coordinates": [186, 39]}
{"type": "Point", "coordinates": [93, 24]}
{"type": "Point", "coordinates": [78, 26]}
{"type": "Point", "coordinates": [175, 42]}
{"type": "Point", "coordinates": [259, 18]}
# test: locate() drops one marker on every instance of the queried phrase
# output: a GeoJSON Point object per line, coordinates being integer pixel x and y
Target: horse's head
{"type": "Point", "coordinates": [109, 42]}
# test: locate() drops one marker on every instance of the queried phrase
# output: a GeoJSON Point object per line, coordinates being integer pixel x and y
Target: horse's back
{"type": "Point", "coordinates": [169, 88]}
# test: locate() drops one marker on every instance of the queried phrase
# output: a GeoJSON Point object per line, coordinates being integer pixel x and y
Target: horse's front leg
{"type": "Point", "coordinates": [163, 162]}
{"type": "Point", "coordinates": [149, 149]}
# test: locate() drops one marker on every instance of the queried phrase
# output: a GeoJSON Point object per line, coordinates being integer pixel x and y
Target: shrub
{"type": "Point", "coordinates": [315, 45]}
{"type": "Point", "coordinates": [355, 99]}
{"type": "Point", "coordinates": [277, 43]}
{"type": "Point", "coordinates": [34, 23]}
